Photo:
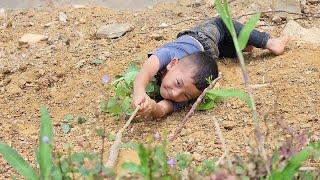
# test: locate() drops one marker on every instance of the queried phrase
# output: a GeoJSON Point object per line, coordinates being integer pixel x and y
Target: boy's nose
{"type": "Point", "coordinates": [176, 93]}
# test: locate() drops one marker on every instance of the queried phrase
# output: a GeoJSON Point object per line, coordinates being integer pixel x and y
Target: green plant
{"type": "Point", "coordinates": [44, 155]}
{"type": "Point", "coordinates": [154, 163]}
{"type": "Point", "coordinates": [294, 163]}
{"type": "Point", "coordinates": [214, 96]}
{"type": "Point", "coordinates": [80, 165]}
{"type": "Point", "coordinates": [240, 43]}
{"type": "Point", "coordinates": [120, 103]}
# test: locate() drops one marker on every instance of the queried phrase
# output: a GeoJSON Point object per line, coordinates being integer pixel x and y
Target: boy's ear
{"type": "Point", "coordinates": [172, 63]}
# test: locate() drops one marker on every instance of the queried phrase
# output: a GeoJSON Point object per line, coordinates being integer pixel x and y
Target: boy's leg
{"type": "Point", "coordinates": [257, 39]}
{"type": "Point", "coordinates": [226, 47]}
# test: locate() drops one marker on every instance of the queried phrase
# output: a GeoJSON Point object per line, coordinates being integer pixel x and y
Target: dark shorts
{"type": "Point", "coordinates": [217, 41]}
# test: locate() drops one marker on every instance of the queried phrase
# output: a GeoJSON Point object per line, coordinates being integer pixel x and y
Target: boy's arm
{"type": "Point", "coordinates": [162, 108]}
{"type": "Point", "coordinates": [146, 73]}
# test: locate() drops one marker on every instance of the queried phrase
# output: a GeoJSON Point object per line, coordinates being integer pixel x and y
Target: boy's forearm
{"type": "Point", "coordinates": [162, 108]}
{"type": "Point", "coordinates": [148, 70]}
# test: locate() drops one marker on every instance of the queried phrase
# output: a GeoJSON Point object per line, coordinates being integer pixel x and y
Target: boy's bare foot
{"type": "Point", "coordinates": [277, 45]}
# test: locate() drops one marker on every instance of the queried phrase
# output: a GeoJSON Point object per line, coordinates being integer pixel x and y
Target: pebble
{"type": "Point", "coordinates": [157, 37]}
{"type": "Point", "coordinates": [3, 13]}
{"type": "Point", "coordinates": [313, 1]}
{"type": "Point", "coordinates": [163, 25]}
{"type": "Point", "coordinates": [295, 30]}
{"type": "Point", "coordinates": [114, 30]}
{"type": "Point", "coordinates": [277, 19]}
{"type": "Point", "coordinates": [229, 125]}
{"type": "Point", "coordinates": [63, 18]}
{"type": "Point", "coordinates": [48, 24]}
{"type": "Point", "coordinates": [32, 38]}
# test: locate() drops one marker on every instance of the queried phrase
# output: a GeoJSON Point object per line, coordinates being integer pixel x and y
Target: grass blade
{"type": "Point", "coordinates": [17, 162]}
{"type": "Point", "coordinates": [223, 14]}
{"type": "Point", "coordinates": [246, 30]}
{"type": "Point", "coordinates": [45, 144]}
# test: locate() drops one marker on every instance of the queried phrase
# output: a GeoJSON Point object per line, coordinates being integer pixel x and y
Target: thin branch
{"type": "Point", "coordinates": [114, 150]}
{"type": "Point", "coordinates": [223, 142]}
{"type": "Point", "coordinates": [271, 11]}
{"type": "Point", "coordinates": [193, 108]}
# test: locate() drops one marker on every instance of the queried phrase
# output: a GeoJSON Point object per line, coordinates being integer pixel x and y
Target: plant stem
{"type": "Point", "coordinates": [114, 150]}
{"type": "Point", "coordinates": [223, 142]}
{"type": "Point", "coordinates": [259, 136]}
{"type": "Point", "coordinates": [103, 139]}
{"type": "Point", "coordinates": [193, 108]}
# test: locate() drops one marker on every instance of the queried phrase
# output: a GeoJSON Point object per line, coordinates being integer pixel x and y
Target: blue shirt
{"type": "Point", "coordinates": [177, 49]}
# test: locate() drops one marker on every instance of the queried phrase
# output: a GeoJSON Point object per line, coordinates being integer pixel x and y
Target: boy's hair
{"type": "Point", "coordinates": [205, 67]}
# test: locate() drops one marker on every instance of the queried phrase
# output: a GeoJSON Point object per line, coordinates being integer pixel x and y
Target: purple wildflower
{"type": "Point", "coordinates": [171, 162]}
{"type": "Point", "coordinates": [157, 136]}
{"type": "Point", "coordinates": [105, 79]}
{"type": "Point", "coordinates": [45, 139]}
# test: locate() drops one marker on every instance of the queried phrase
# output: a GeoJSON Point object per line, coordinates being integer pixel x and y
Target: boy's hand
{"type": "Point", "coordinates": [147, 105]}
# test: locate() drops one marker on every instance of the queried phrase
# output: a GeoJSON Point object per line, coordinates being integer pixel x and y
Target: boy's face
{"type": "Point", "coordinates": [177, 84]}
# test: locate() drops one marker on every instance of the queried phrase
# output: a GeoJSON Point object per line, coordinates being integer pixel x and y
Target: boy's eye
{"type": "Point", "coordinates": [178, 83]}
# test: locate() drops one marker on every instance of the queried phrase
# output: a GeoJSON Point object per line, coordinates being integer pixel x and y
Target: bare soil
{"type": "Point", "coordinates": [286, 86]}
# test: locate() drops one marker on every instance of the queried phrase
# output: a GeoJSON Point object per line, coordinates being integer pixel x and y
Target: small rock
{"type": "Point", "coordinates": [3, 13]}
{"type": "Point", "coordinates": [229, 125]}
{"type": "Point", "coordinates": [299, 33]}
{"type": "Point", "coordinates": [48, 24]}
{"type": "Point", "coordinates": [63, 18]}
{"type": "Point", "coordinates": [113, 30]}
{"type": "Point", "coordinates": [313, 1]}
{"type": "Point", "coordinates": [32, 38]}
{"type": "Point", "coordinates": [157, 37]}
{"type": "Point", "coordinates": [277, 19]}
{"type": "Point", "coordinates": [163, 25]}
{"type": "Point", "coordinates": [198, 3]}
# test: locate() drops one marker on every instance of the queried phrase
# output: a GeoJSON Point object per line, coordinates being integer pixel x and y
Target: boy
{"type": "Point", "coordinates": [182, 66]}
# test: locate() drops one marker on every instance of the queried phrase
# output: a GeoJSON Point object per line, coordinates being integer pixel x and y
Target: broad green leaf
{"type": "Point", "coordinates": [65, 128]}
{"type": "Point", "coordinates": [294, 164]}
{"type": "Point", "coordinates": [126, 106]}
{"type": "Point", "coordinates": [130, 76]}
{"type": "Point", "coordinates": [132, 168]}
{"type": "Point", "coordinates": [206, 106]}
{"type": "Point", "coordinates": [45, 144]}
{"type": "Point", "coordinates": [132, 68]}
{"type": "Point", "coordinates": [77, 158]}
{"type": "Point", "coordinates": [246, 30]}
{"type": "Point", "coordinates": [84, 171]}
{"type": "Point", "coordinates": [17, 162]}
{"type": "Point", "coordinates": [56, 173]}
{"type": "Point", "coordinates": [223, 94]}
{"type": "Point", "coordinates": [113, 106]}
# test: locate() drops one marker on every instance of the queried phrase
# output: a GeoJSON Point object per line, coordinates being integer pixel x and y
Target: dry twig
{"type": "Point", "coordinates": [223, 142]}
{"type": "Point", "coordinates": [193, 108]}
{"type": "Point", "coordinates": [114, 150]}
